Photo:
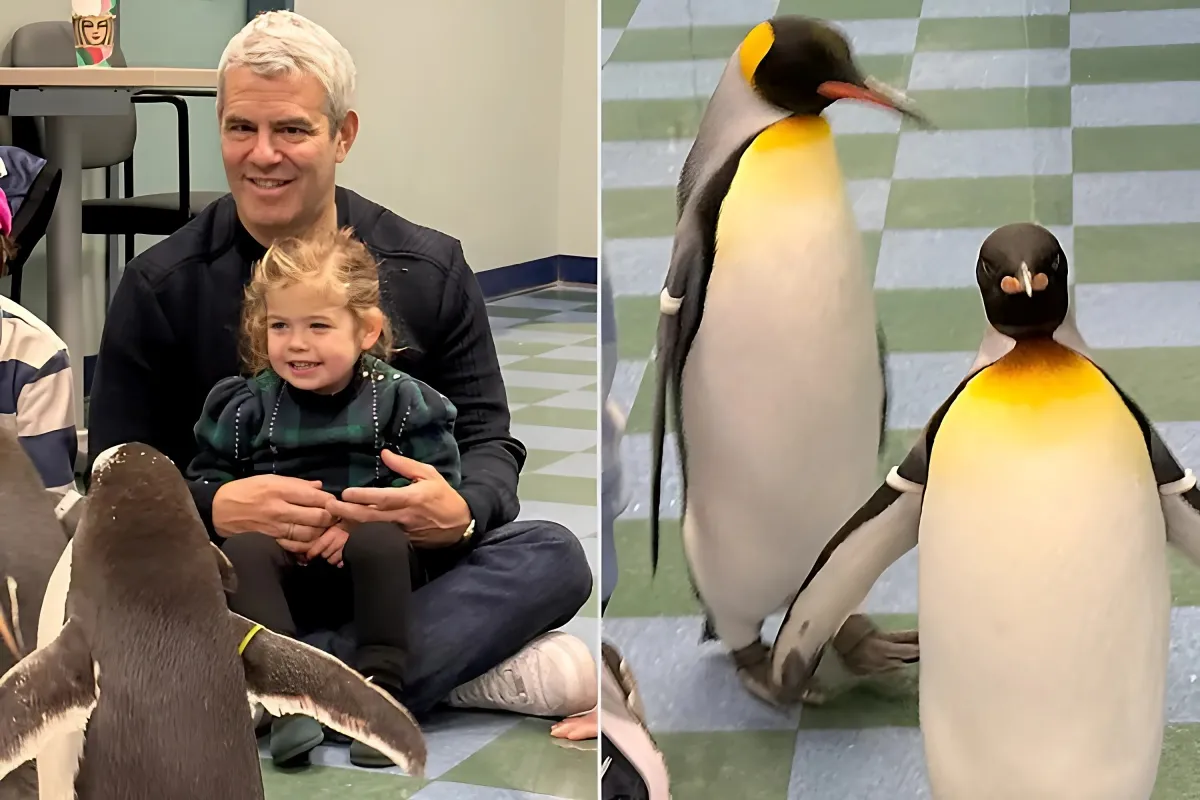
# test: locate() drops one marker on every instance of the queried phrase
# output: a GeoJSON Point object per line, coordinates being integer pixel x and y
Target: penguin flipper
{"type": "Point", "coordinates": [879, 533]}
{"type": "Point", "coordinates": [682, 308]}
{"type": "Point", "coordinates": [876, 536]}
{"type": "Point", "coordinates": [51, 692]}
{"type": "Point", "coordinates": [883, 410]}
{"type": "Point", "coordinates": [290, 677]}
{"type": "Point", "coordinates": [1176, 485]}
{"type": "Point", "coordinates": [1180, 497]}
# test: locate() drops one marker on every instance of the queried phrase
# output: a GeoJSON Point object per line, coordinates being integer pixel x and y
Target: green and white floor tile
{"type": "Point", "coordinates": [1080, 114]}
{"type": "Point", "coordinates": [547, 346]}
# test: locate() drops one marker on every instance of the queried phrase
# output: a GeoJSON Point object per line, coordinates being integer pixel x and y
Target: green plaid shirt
{"type": "Point", "coordinates": [263, 426]}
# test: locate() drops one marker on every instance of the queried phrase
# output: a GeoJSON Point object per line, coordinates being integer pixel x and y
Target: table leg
{"type": "Point", "coordinates": [64, 246]}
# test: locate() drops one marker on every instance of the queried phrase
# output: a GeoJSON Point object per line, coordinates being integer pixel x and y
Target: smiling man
{"type": "Point", "coordinates": [490, 588]}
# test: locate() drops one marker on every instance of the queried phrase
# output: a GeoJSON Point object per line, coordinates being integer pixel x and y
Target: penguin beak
{"type": "Point", "coordinates": [875, 92]}
{"type": "Point", "coordinates": [1026, 279]}
{"type": "Point", "coordinates": [1023, 281]}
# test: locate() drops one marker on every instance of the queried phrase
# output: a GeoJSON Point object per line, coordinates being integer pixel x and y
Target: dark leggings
{"type": "Point", "coordinates": [372, 590]}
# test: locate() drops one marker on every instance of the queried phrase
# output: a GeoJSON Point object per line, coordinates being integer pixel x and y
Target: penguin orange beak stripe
{"type": "Point", "coordinates": [1028, 282]}
{"type": "Point", "coordinates": [841, 90]}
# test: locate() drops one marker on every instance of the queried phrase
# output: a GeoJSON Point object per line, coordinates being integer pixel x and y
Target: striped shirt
{"type": "Point", "coordinates": [36, 397]}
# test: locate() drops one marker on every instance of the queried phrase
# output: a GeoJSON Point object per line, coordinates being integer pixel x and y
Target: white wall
{"type": "Point", "coordinates": [178, 33]}
{"type": "Point", "coordinates": [579, 143]}
{"type": "Point", "coordinates": [462, 105]}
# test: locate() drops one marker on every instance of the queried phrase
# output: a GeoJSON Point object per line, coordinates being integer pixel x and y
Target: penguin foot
{"type": "Point", "coordinates": [754, 670]}
{"type": "Point", "coordinates": [797, 684]}
{"type": "Point", "coordinates": [866, 650]}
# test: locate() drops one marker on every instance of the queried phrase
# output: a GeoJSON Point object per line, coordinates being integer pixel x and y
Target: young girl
{"type": "Point", "coordinates": [321, 404]}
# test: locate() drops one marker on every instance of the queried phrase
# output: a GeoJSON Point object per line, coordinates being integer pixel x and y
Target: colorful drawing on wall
{"type": "Point", "coordinates": [95, 26]}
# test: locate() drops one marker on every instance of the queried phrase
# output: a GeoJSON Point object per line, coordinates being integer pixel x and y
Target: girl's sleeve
{"type": "Point", "coordinates": [225, 432]}
{"type": "Point", "coordinates": [422, 428]}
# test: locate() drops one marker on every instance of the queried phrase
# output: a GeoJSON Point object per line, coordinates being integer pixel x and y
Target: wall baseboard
{"type": "Point", "coordinates": [537, 274]}
{"type": "Point", "coordinates": [496, 283]}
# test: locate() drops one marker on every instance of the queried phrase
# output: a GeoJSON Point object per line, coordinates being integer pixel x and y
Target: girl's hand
{"type": "Point", "coordinates": [329, 545]}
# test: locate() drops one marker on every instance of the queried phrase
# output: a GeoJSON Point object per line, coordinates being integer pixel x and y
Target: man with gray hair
{"type": "Point", "coordinates": [490, 591]}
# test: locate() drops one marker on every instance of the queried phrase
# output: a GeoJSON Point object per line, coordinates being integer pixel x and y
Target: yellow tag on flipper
{"type": "Point", "coordinates": [248, 637]}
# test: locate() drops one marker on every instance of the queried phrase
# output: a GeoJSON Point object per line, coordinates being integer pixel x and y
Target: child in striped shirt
{"type": "Point", "coordinates": [36, 393]}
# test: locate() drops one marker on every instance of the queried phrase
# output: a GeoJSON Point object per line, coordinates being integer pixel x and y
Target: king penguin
{"type": "Point", "coordinates": [154, 669]}
{"type": "Point", "coordinates": [1043, 501]}
{"type": "Point", "coordinates": [768, 345]}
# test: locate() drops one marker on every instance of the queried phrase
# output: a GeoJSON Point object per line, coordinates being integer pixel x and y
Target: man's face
{"type": "Point", "coordinates": [280, 159]}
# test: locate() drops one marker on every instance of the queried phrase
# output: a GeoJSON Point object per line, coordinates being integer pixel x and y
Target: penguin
{"type": "Point", "coordinates": [31, 542]}
{"type": "Point", "coordinates": [1043, 501]}
{"type": "Point", "coordinates": [768, 350]}
{"type": "Point", "coordinates": [155, 670]}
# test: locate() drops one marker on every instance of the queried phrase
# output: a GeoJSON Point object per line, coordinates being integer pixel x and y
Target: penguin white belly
{"type": "Point", "coordinates": [58, 762]}
{"type": "Point", "coordinates": [1044, 595]}
{"type": "Point", "coordinates": [782, 389]}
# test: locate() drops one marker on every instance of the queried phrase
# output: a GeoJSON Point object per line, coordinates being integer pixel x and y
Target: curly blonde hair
{"type": "Point", "coordinates": [338, 260]}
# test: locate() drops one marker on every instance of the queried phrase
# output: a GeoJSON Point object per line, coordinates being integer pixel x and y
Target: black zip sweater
{"type": "Point", "coordinates": [172, 333]}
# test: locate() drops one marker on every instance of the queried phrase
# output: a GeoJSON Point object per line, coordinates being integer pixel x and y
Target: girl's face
{"type": "Point", "coordinates": [314, 340]}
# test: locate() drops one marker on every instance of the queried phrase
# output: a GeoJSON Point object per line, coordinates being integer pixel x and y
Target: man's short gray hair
{"type": "Point", "coordinates": [283, 43]}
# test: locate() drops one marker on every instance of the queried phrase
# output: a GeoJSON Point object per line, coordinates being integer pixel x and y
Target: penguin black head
{"type": "Point", "coordinates": [803, 66]}
{"type": "Point", "coordinates": [142, 490]}
{"type": "Point", "coordinates": [1022, 276]}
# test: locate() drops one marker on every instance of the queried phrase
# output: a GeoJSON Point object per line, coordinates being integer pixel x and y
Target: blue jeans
{"type": "Point", "coordinates": [521, 580]}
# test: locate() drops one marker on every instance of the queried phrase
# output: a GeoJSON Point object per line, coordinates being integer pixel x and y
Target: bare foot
{"type": "Point", "coordinates": [584, 726]}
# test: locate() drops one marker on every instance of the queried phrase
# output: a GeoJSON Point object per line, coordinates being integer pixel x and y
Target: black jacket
{"type": "Point", "coordinates": [172, 333]}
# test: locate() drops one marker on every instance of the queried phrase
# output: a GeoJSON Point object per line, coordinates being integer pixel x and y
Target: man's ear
{"type": "Point", "coordinates": [346, 135]}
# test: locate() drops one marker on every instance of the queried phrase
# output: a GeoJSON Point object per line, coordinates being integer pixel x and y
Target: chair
{"type": "Point", "coordinates": [110, 143]}
{"type": "Point", "coordinates": [30, 221]}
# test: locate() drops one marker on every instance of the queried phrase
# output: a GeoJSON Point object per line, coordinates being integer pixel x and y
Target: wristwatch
{"type": "Point", "coordinates": [470, 530]}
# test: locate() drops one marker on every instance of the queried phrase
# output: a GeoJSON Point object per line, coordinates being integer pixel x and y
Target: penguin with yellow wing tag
{"type": "Point", "coordinates": [144, 691]}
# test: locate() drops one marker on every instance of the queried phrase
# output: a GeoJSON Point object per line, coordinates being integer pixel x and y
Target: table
{"type": "Point", "coordinates": [65, 97]}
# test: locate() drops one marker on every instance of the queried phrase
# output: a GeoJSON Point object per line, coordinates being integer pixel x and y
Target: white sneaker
{"type": "Point", "coordinates": [553, 676]}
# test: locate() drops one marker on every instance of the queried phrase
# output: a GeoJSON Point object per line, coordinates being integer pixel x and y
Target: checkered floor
{"type": "Point", "coordinates": [547, 346]}
{"type": "Point", "coordinates": [1081, 114]}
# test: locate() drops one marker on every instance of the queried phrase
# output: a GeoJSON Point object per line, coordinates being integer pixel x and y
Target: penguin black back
{"type": "Point", "coordinates": [156, 672]}
{"type": "Point", "coordinates": [146, 586]}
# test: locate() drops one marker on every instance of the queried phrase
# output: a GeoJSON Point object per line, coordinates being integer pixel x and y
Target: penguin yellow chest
{"type": "Point", "coordinates": [788, 187]}
{"type": "Point", "coordinates": [1043, 589]}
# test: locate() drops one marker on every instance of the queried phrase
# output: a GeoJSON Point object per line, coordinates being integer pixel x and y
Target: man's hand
{"type": "Point", "coordinates": [429, 510]}
{"type": "Point", "coordinates": [285, 508]}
